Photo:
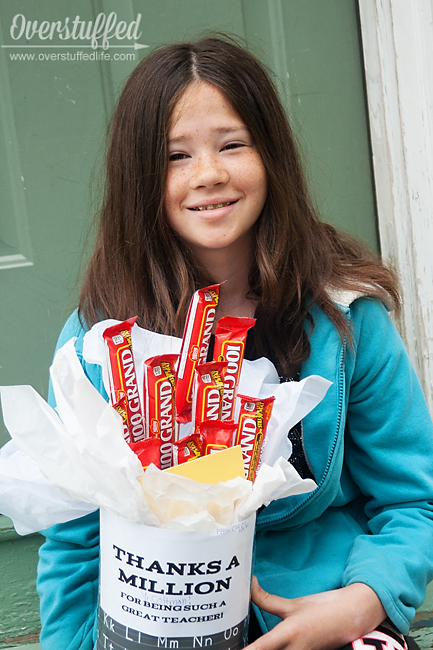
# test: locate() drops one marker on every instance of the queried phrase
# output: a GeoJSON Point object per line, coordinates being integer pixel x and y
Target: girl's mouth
{"type": "Point", "coordinates": [213, 206]}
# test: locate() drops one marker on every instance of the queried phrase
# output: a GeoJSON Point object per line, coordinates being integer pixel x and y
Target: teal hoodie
{"type": "Point", "coordinates": [370, 446]}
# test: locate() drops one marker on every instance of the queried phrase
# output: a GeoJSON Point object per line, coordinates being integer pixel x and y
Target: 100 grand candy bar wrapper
{"type": "Point", "coordinates": [186, 388]}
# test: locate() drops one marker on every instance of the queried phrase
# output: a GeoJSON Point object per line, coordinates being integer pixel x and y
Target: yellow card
{"type": "Point", "coordinates": [219, 466]}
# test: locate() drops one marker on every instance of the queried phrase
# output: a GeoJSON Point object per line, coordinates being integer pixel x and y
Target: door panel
{"type": "Point", "coordinates": [314, 49]}
{"type": "Point", "coordinates": [57, 115]}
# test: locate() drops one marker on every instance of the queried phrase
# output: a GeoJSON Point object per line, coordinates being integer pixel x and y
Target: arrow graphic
{"type": "Point", "coordinates": [136, 46]}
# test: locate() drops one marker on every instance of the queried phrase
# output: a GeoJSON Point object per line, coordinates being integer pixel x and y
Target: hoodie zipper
{"type": "Point", "coordinates": [313, 495]}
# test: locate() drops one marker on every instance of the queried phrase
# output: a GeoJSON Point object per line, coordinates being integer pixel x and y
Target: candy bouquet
{"type": "Point", "coordinates": [179, 461]}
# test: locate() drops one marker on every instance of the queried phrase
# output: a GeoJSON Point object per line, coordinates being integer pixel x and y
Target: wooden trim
{"type": "Point", "coordinates": [397, 38]}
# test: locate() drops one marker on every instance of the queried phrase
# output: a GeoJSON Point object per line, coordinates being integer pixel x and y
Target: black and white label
{"type": "Point", "coordinates": [112, 635]}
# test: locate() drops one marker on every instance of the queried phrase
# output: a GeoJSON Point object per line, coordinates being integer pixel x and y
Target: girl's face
{"type": "Point", "coordinates": [216, 186]}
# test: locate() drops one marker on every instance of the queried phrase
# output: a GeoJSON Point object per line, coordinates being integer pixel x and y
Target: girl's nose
{"type": "Point", "coordinates": [207, 172]}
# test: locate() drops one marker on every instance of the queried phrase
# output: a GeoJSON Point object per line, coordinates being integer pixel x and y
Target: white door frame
{"type": "Point", "coordinates": [397, 38]}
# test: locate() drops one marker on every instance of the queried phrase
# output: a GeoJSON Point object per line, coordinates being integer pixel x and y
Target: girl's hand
{"type": "Point", "coordinates": [319, 622]}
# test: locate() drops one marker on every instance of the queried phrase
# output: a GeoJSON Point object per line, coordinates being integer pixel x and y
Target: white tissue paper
{"type": "Point", "coordinates": [28, 498]}
{"type": "Point", "coordinates": [71, 462]}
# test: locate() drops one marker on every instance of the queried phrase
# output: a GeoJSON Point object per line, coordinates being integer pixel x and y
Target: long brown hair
{"type": "Point", "coordinates": [140, 266]}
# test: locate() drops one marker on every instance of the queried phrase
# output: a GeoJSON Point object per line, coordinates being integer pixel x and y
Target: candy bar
{"type": "Point", "coordinates": [208, 392]}
{"type": "Point", "coordinates": [123, 379]}
{"type": "Point", "coordinates": [187, 449]}
{"type": "Point", "coordinates": [148, 451]}
{"type": "Point", "coordinates": [230, 336]}
{"type": "Point", "coordinates": [253, 421]}
{"type": "Point", "coordinates": [159, 396]}
{"type": "Point", "coordinates": [195, 344]}
{"type": "Point", "coordinates": [121, 408]}
{"type": "Point", "coordinates": [216, 435]}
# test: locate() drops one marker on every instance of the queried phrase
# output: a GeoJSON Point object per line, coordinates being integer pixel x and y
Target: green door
{"type": "Point", "coordinates": [54, 105]}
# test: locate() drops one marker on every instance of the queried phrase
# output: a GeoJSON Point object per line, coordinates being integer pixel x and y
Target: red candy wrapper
{"type": "Point", "coordinates": [195, 344]}
{"type": "Point", "coordinates": [159, 396]}
{"type": "Point", "coordinates": [121, 408]}
{"type": "Point", "coordinates": [208, 392]}
{"type": "Point", "coordinates": [187, 449]}
{"type": "Point", "coordinates": [253, 421]}
{"type": "Point", "coordinates": [216, 435]}
{"type": "Point", "coordinates": [148, 451]}
{"type": "Point", "coordinates": [230, 336]}
{"type": "Point", "coordinates": [123, 380]}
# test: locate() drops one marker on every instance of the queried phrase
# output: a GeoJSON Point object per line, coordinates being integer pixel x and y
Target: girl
{"type": "Point", "coordinates": [204, 185]}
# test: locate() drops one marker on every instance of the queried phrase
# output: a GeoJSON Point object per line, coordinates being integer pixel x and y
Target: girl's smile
{"type": "Point", "coordinates": [216, 186]}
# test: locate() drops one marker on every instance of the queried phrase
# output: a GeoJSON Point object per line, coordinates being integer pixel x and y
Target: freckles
{"type": "Point", "coordinates": [175, 183]}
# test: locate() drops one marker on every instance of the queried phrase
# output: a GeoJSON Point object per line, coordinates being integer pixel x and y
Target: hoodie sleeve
{"type": "Point", "coordinates": [68, 569]}
{"type": "Point", "coordinates": [389, 455]}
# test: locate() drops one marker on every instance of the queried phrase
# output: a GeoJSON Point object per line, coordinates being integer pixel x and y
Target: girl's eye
{"type": "Point", "coordinates": [172, 157]}
{"type": "Point", "coordinates": [233, 145]}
